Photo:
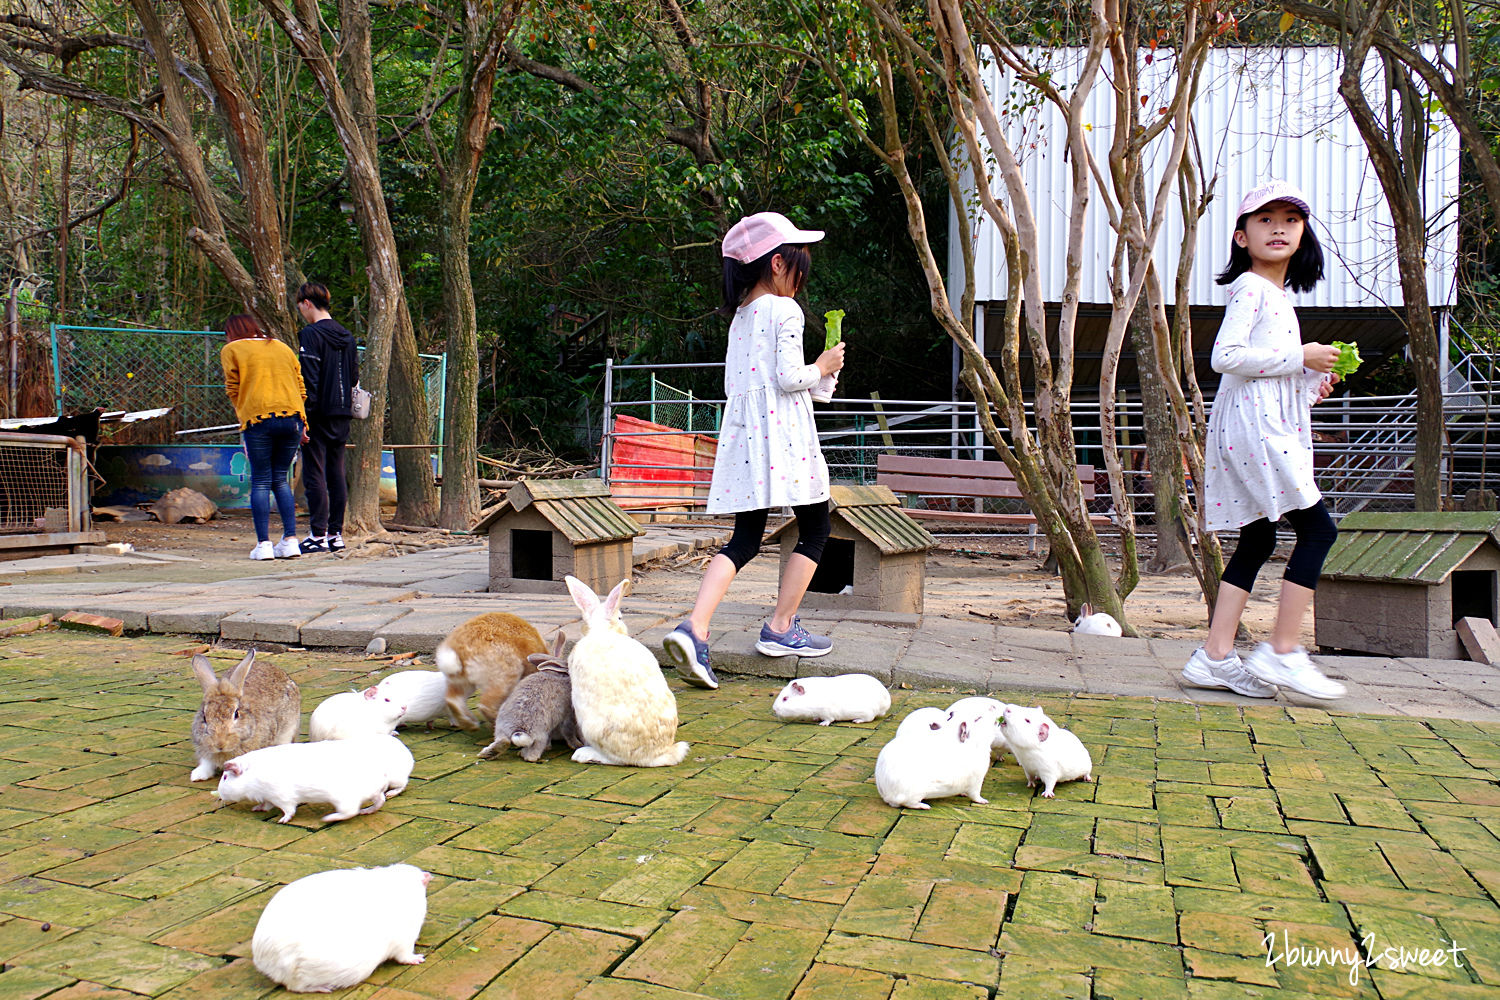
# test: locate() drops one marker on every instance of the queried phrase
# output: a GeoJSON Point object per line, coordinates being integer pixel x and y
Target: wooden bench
{"type": "Point", "coordinates": [958, 477]}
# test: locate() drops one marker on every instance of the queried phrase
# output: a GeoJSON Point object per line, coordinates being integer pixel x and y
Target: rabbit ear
{"type": "Point", "coordinates": [612, 602]}
{"type": "Point", "coordinates": [583, 596]}
{"type": "Point", "coordinates": [239, 673]}
{"type": "Point", "coordinates": [537, 659]}
{"type": "Point", "coordinates": [1086, 610]}
{"type": "Point", "coordinates": [205, 672]}
{"type": "Point", "coordinates": [558, 642]}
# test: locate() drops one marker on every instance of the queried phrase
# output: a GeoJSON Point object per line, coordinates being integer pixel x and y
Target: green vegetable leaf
{"type": "Point", "coordinates": [1348, 360]}
{"type": "Point", "coordinates": [835, 328]}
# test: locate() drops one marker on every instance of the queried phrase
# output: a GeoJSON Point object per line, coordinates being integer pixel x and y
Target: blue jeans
{"type": "Point", "coordinates": [270, 446]}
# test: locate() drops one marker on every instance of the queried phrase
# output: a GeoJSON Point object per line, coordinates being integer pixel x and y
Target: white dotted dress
{"type": "Point", "coordinates": [1258, 459]}
{"type": "Point", "coordinates": [768, 443]}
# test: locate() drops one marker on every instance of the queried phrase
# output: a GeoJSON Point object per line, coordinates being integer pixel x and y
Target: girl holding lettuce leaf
{"type": "Point", "coordinates": [768, 455]}
{"type": "Point", "coordinates": [1258, 457]}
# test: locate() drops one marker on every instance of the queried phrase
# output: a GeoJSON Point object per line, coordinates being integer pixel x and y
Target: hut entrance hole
{"type": "Point", "coordinates": [836, 569]}
{"type": "Point", "coordinates": [530, 554]}
{"type": "Point", "coordinates": [1474, 594]}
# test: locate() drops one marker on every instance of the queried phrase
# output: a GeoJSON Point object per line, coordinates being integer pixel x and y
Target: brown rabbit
{"type": "Point", "coordinates": [253, 706]}
{"type": "Point", "coordinates": [487, 654]}
{"type": "Point", "coordinates": [540, 708]}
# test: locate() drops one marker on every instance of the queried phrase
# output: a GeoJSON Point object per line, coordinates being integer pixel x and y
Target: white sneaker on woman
{"type": "Point", "coordinates": [288, 547]}
{"type": "Point", "coordinates": [263, 550]}
{"type": "Point", "coordinates": [1228, 673]}
{"type": "Point", "coordinates": [1294, 670]}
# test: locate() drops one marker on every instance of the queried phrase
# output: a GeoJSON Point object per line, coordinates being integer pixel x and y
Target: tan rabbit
{"type": "Point", "coordinates": [253, 706]}
{"type": "Point", "coordinates": [487, 654]}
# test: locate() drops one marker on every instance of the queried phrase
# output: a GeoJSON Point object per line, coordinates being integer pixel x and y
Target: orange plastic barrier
{"type": "Point", "coordinates": [668, 463]}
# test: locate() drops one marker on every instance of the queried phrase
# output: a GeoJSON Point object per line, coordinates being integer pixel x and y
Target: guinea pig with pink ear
{"type": "Point", "coordinates": [344, 773]}
{"type": "Point", "coordinates": [921, 720]}
{"type": "Point", "coordinates": [935, 763]}
{"type": "Point", "coordinates": [999, 746]}
{"type": "Point", "coordinates": [826, 700]}
{"type": "Point", "coordinates": [1046, 751]}
{"type": "Point", "coordinates": [331, 930]}
{"type": "Point", "coordinates": [355, 713]}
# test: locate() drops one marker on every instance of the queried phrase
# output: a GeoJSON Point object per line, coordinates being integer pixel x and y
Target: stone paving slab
{"type": "Point", "coordinates": [765, 864]}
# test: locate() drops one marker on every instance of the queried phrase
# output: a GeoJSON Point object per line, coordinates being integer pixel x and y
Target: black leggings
{"type": "Point", "coordinates": [1315, 536]}
{"type": "Point", "coordinates": [750, 526]}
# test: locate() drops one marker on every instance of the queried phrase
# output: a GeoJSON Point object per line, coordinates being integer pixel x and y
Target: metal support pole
{"type": "Point", "coordinates": [442, 410]}
{"type": "Point", "coordinates": [609, 395]}
{"type": "Point", "coordinates": [57, 386]}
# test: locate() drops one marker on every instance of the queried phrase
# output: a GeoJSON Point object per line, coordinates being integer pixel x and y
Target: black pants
{"type": "Point", "coordinates": [323, 473]}
{"type": "Point", "coordinates": [750, 526]}
{"type": "Point", "coordinates": [1315, 536]}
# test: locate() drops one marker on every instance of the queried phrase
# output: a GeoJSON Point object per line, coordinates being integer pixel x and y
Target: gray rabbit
{"type": "Point", "coordinates": [540, 707]}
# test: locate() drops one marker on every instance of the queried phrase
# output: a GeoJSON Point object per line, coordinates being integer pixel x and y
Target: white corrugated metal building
{"type": "Point", "coordinates": [1261, 113]}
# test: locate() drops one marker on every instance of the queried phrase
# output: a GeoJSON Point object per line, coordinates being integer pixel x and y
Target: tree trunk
{"type": "Point", "coordinates": [460, 507]}
{"type": "Point", "coordinates": [1163, 457]}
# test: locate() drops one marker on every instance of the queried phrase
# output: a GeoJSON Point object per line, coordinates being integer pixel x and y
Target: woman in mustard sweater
{"type": "Point", "coordinates": [264, 381]}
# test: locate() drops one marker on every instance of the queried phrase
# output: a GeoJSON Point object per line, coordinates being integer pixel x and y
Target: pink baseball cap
{"type": "Point", "coordinates": [754, 236]}
{"type": "Point", "coordinates": [1263, 194]}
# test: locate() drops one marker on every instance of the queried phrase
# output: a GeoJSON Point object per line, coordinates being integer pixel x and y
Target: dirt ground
{"type": "Point", "coordinates": [969, 577]}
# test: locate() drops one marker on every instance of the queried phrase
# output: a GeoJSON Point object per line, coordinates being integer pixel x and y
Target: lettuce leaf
{"type": "Point", "coordinates": [1349, 359]}
{"type": "Point", "coordinates": [835, 328]}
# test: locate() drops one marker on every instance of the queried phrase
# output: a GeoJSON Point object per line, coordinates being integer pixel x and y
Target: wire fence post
{"type": "Point", "coordinates": [609, 396]}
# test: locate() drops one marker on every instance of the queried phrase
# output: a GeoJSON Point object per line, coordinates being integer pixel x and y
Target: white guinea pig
{"type": "Point", "coordinates": [330, 930]}
{"type": "Point", "coordinates": [423, 692]}
{"type": "Point", "coordinates": [950, 760]}
{"type": "Point", "coordinates": [344, 773]}
{"type": "Point", "coordinates": [999, 745]}
{"type": "Point", "coordinates": [355, 713]}
{"type": "Point", "coordinates": [1046, 751]}
{"type": "Point", "coordinates": [922, 721]}
{"type": "Point", "coordinates": [845, 698]}
{"type": "Point", "coordinates": [1089, 623]}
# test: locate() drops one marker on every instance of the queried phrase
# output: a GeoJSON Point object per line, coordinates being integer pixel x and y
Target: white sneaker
{"type": "Point", "coordinates": [1228, 673]}
{"type": "Point", "coordinates": [1294, 670]}
{"type": "Point", "coordinates": [287, 548]}
{"type": "Point", "coordinates": [263, 550]}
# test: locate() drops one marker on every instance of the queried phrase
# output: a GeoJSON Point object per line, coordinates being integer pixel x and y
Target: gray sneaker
{"type": "Point", "coordinates": [795, 641]}
{"type": "Point", "coordinates": [1227, 673]}
{"type": "Point", "coordinates": [1294, 670]}
{"type": "Point", "coordinates": [690, 655]}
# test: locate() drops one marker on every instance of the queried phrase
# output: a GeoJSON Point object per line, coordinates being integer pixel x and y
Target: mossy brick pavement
{"type": "Point", "coordinates": [765, 866]}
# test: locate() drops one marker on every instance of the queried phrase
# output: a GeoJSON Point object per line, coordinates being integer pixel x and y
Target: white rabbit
{"type": "Point", "coordinates": [1046, 751]}
{"type": "Point", "coordinates": [355, 713]}
{"type": "Point", "coordinates": [625, 710]}
{"type": "Point", "coordinates": [1089, 623]}
{"type": "Point", "coordinates": [950, 760]}
{"type": "Point", "coordinates": [423, 692]}
{"type": "Point", "coordinates": [845, 698]}
{"type": "Point", "coordinates": [344, 773]}
{"type": "Point", "coordinates": [921, 720]}
{"type": "Point", "coordinates": [999, 746]}
{"type": "Point", "coordinates": [330, 930]}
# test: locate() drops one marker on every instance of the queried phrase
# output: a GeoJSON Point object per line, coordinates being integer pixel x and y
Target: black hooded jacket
{"type": "Point", "coordinates": [330, 367]}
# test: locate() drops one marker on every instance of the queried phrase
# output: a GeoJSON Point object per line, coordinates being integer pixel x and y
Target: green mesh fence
{"type": "Point", "coordinates": [130, 369]}
{"type": "Point", "coordinates": [675, 407]}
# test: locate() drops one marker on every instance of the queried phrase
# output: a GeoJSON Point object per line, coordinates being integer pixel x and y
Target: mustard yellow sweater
{"type": "Point", "coordinates": [263, 379]}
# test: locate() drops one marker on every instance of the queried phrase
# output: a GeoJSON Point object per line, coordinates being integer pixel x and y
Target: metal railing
{"type": "Point", "coordinates": [1364, 449]}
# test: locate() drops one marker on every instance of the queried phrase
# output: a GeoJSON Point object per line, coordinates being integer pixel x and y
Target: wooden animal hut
{"type": "Point", "coordinates": [545, 530]}
{"type": "Point", "coordinates": [876, 557]}
{"type": "Point", "coordinates": [1396, 584]}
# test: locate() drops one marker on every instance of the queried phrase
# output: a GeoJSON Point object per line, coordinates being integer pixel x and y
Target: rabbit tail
{"type": "Point", "coordinates": [448, 662]}
{"type": "Point", "coordinates": [520, 738]}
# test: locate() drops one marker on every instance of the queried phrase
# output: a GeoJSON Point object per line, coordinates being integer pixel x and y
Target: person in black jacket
{"type": "Point", "coordinates": [330, 367]}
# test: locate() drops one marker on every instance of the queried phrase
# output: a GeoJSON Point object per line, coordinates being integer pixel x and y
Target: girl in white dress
{"type": "Point", "coordinates": [1258, 459]}
{"type": "Point", "coordinates": [768, 454]}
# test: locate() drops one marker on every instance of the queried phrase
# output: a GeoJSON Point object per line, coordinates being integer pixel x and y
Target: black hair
{"type": "Point", "coordinates": [1303, 271]}
{"type": "Point", "coordinates": [739, 278]}
{"type": "Point", "coordinates": [315, 292]}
